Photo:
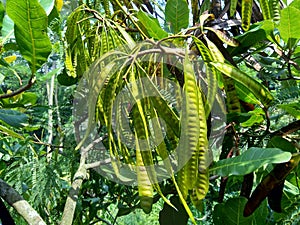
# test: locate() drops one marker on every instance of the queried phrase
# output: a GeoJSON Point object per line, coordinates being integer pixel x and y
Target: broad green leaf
{"type": "Point", "coordinates": [292, 108]}
{"type": "Point", "coordinates": [249, 161]}
{"type": "Point", "coordinates": [151, 26]}
{"type": "Point", "coordinates": [258, 32]}
{"type": "Point", "coordinates": [13, 117]}
{"type": "Point", "coordinates": [231, 212]}
{"type": "Point", "coordinates": [30, 31]}
{"type": "Point", "coordinates": [258, 90]}
{"type": "Point", "coordinates": [296, 4]}
{"type": "Point", "coordinates": [28, 99]}
{"type": "Point", "coordinates": [177, 15]}
{"type": "Point", "coordinates": [289, 23]}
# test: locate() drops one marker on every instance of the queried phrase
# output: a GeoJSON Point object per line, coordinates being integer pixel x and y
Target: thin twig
{"type": "Point", "coordinates": [20, 90]}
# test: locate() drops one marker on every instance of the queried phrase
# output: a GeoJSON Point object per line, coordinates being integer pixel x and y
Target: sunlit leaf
{"type": "Point", "coordinates": [256, 118]}
{"type": "Point", "coordinates": [151, 25]}
{"type": "Point", "coordinates": [30, 31]}
{"type": "Point", "coordinates": [249, 161]}
{"type": "Point", "coordinates": [245, 95]}
{"type": "Point", "coordinates": [289, 23]}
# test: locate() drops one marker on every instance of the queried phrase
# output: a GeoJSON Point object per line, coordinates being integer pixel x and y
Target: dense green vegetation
{"type": "Point", "coordinates": [149, 112]}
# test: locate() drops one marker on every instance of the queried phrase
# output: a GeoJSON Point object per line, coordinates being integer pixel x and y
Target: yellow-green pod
{"type": "Point", "coordinates": [144, 184]}
{"type": "Point", "coordinates": [276, 11]}
{"type": "Point", "coordinates": [232, 9]}
{"type": "Point", "coordinates": [224, 37]}
{"type": "Point", "coordinates": [246, 13]}
{"type": "Point", "coordinates": [264, 5]}
{"type": "Point", "coordinates": [259, 90]}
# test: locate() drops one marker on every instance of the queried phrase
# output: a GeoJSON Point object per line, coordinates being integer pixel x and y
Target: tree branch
{"type": "Point", "coordinates": [13, 198]}
{"type": "Point", "coordinates": [70, 206]}
{"type": "Point", "coordinates": [20, 90]}
{"type": "Point", "coordinates": [290, 128]}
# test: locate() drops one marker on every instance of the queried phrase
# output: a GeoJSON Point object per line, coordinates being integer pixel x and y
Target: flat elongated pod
{"type": "Point", "coordinates": [246, 13]}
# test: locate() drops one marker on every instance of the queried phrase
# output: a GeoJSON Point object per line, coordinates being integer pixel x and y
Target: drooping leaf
{"type": "Point", "coordinates": [231, 212]}
{"type": "Point", "coordinates": [249, 161]}
{"type": "Point", "coordinates": [224, 37]}
{"type": "Point", "coordinates": [151, 25]}
{"type": "Point", "coordinates": [289, 23]}
{"type": "Point", "coordinates": [30, 31]}
{"type": "Point", "coordinates": [13, 117]}
{"type": "Point", "coordinates": [177, 14]}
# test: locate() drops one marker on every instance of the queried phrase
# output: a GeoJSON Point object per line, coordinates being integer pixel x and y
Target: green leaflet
{"type": "Point", "coordinates": [259, 90]}
{"type": "Point", "coordinates": [30, 31]}
{"type": "Point", "coordinates": [8, 131]}
{"type": "Point", "coordinates": [13, 118]}
{"type": "Point", "coordinates": [246, 13]}
{"type": "Point", "coordinates": [232, 213]}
